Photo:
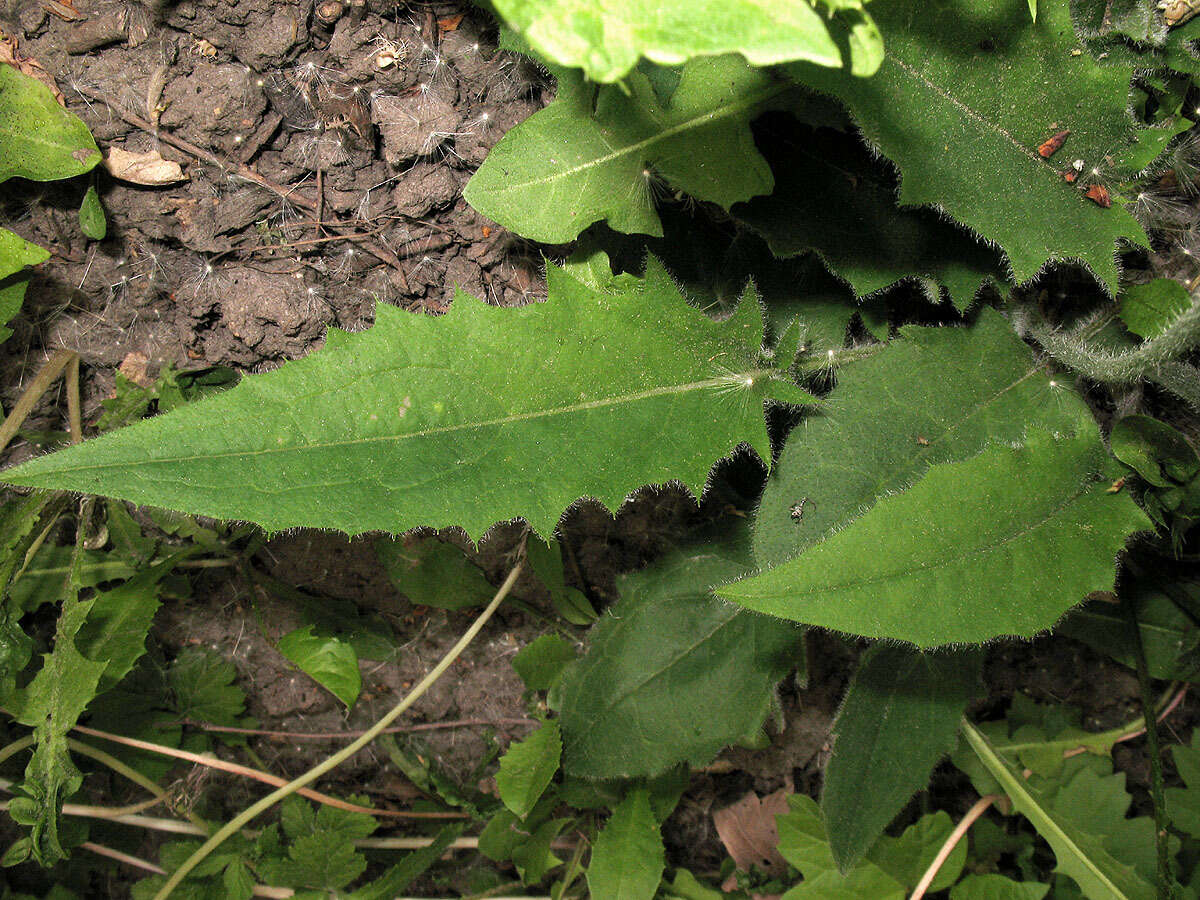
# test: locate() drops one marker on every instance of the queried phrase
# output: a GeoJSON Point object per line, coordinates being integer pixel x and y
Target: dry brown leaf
{"type": "Point", "coordinates": [134, 366]}
{"type": "Point", "coordinates": [747, 829]}
{"type": "Point", "coordinates": [450, 23]}
{"type": "Point", "coordinates": [142, 168]}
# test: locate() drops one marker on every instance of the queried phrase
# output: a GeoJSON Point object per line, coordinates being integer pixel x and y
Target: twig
{"type": "Point", "coordinates": [40, 384]}
{"type": "Point", "coordinates": [339, 735]}
{"type": "Point", "coordinates": [250, 813]}
{"type": "Point", "coordinates": [245, 771]}
{"type": "Point", "coordinates": [951, 842]}
{"type": "Point", "coordinates": [377, 249]}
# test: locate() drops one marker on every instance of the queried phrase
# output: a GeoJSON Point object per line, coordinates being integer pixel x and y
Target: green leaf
{"type": "Point", "coordinates": [541, 662]}
{"type": "Point", "coordinates": [628, 857]}
{"type": "Point", "coordinates": [396, 880]}
{"type": "Point", "coordinates": [433, 573]}
{"type": "Point", "coordinates": [1158, 452]}
{"type": "Point", "coordinates": [907, 857]}
{"type": "Point", "coordinates": [900, 717]}
{"type": "Point", "coordinates": [51, 705]}
{"type": "Point", "coordinates": [202, 684]}
{"type": "Point", "coordinates": [967, 93]}
{"type": "Point", "coordinates": [1148, 309]}
{"type": "Point", "coordinates": [833, 197]}
{"type": "Point", "coordinates": [547, 563]}
{"type": "Point", "coordinates": [1079, 855]}
{"type": "Point", "coordinates": [478, 416]}
{"type": "Point", "coordinates": [1032, 10]}
{"type": "Point", "coordinates": [997, 887]}
{"type": "Point", "coordinates": [15, 254]}
{"type": "Point", "coordinates": [672, 675]}
{"type": "Point", "coordinates": [47, 576]}
{"type": "Point", "coordinates": [600, 153]}
{"type": "Point", "coordinates": [963, 389]}
{"type": "Point", "coordinates": [91, 215]}
{"type": "Point", "coordinates": [803, 843]}
{"type": "Point", "coordinates": [39, 140]}
{"type": "Point", "coordinates": [1183, 804]}
{"type": "Point", "coordinates": [320, 850]}
{"type": "Point", "coordinates": [607, 40]}
{"type": "Point", "coordinates": [329, 661]}
{"type": "Point", "coordinates": [924, 566]}
{"type": "Point", "coordinates": [528, 767]}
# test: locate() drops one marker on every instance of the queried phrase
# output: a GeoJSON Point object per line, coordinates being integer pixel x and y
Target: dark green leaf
{"type": "Point", "coordinates": [627, 857]}
{"type": "Point", "coordinates": [900, 717]}
{"type": "Point", "coordinates": [997, 887]}
{"type": "Point", "coordinates": [202, 683]}
{"type": "Point", "coordinates": [396, 880]}
{"type": "Point", "coordinates": [329, 661]}
{"type": "Point", "coordinates": [1155, 450]}
{"type": "Point", "coordinates": [91, 215]}
{"type": "Point", "coordinates": [672, 675]}
{"type": "Point", "coordinates": [16, 254]}
{"type": "Point", "coordinates": [546, 561]}
{"type": "Point", "coordinates": [907, 857]}
{"type": "Point", "coordinates": [433, 573]}
{"type": "Point", "coordinates": [541, 662]}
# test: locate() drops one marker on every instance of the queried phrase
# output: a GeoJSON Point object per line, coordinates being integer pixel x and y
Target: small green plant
{"type": "Point", "coordinates": [947, 486]}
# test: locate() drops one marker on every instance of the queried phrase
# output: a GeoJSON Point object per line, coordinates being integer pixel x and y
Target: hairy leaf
{"type": "Point", "coordinates": [600, 153]}
{"type": "Point", "coordinates": [478, 416]}
{"type": "Point", "coordinates": [831, 196]}
{"type": "Point", "coordinates": [528, 767]}
{"type": "Point", "coordinates": [328, 660]}
{"type": "Point", "coordinates": [671, 675]}
{"type": "Point", "coordinates": [1079, 854]}
{"type": "Point", "coordinates": [1148, 309]}
{"type": "Point", "coordinates": [39, 140]}
{"type": "Point", "coordinates": [962, 389]}
{"type": "Point", "coordinates": [900, 716]}
{"type": "Point", "coordinates": [1000, 544]}
{"type": "Point", "coordinates": [606, 40]}
{"type": "Point", "coordinates": [628, 857]}
{"type": "Point", "coordinates": [968, 92]}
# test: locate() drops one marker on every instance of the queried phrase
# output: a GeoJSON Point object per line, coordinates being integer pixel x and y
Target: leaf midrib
{"type": "Point", "coordinates": [651, 393]}
{"type": "Point", "coordinates": [629, 149]}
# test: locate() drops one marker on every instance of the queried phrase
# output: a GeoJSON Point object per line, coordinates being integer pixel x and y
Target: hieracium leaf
{"type": "Point", "coordinates": [39, 139]}
{"type": "Point", "coordinates": [606, 40]}
{"type": "Point", "coordinates": [968, 93]}
{"type": "Point", "coordinates": [479, 416]}
{"type": "Point", "coordinates": [601, 153]}
{"type": "Point", "coordinates": [1000, 544]}
{"type": "Point", "coordinates": [15, 254]}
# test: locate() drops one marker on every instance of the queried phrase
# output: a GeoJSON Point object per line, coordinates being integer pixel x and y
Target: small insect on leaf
{"type": "Point", "coordinates": [1116, 486]}
{"type": "Point", "coordinates": [797, 510]}
{"type": "Point", "coordinates": [1053, 144]}
{"type": "Point", "coordinates": [1099, 195]}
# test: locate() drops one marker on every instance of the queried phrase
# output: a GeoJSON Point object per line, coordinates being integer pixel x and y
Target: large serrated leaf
{"type": "Point", "coordinates": [39, 139]}
{"type": "Point", "coordinates": [968, 92]}
{"type": "Point", "coordinates": [900, 716]}
{"type": "Point", "coordinates": [601, 153]}
{"type": "Point", "coordinates": [1079, 855]}
{"type": "Point", "coordinates": [606, 39]}
{"type": "Point", "coordinates": [832, 197]}
{"type": "Point", "coordinates": [1001, 544]}
{"type": "Point", "coordinates": [671, 675]}
{"type": "Point", "coordinates": [478, 416]}
{"type": "Point", "coordinates": [962, 389]}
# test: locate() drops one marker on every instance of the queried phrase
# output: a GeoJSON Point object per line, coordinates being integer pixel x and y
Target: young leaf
{"type": "Point", "coordinates": [598, 153]}
{"type": "Point", "coordinates": [91, 215]}
{"type": "Point", "coordinates": [607, 40]}
{"type": "Point", "coordinates": [997, 887]}
{"type": "Point", "coordinates": [628, 857]}
{"type": "Point", "coordinates": [907, 857]}
{"type": "Point", "coordinates": [672, 675]}
{"type": "Point", "coordinates": [202, 684]}
{"type": "Point", "coordinates": [900, 716]}
{"type": "Point", "coordinates": [1148, 309]}
{"type": "Point", "coordinates": [478, 416]}
{"type": "Point", "coordinates": [541, 662]}
{"type": "Point", "coordinates": [39, 139]}
{"type": "Point", "coordinates": [320, 851]}
{"type": "Point", "coordinates": [329, 661]}
{"type": "Point", "coordinates": [15, 254]}
{"type": "Point", "coordinates": [966, 95]}
{"type": "Point", "coordinates": [433, 573]}
{"type": "Point", "coordinates": [963, 389]}
{"type": "Point", "coordinates": [925, 566]}
{"type": "Point", "coordinates": [1080, 855]}
{"type": "Point", "coordinates": [831, 196]}
{"type": "Point", "coordinates": [51, 705]}
{"type": "Point", "coordinates": [528, 767]}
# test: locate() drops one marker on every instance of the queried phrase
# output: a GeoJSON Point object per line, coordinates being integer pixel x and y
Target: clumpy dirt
{"type": "Point", "coordinates": [325, 147]}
